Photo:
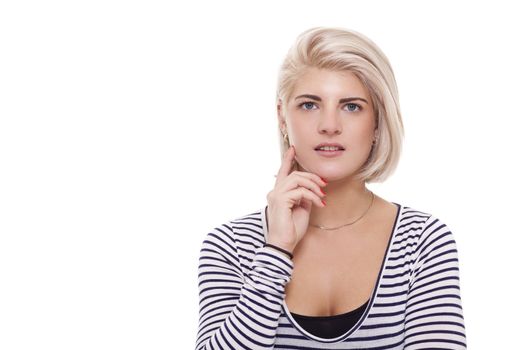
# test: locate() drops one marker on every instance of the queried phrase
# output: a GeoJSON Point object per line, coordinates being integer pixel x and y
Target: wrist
{"type": "Point", "coordinates": [286, 246]}
{"type": "Point", "coordinates": [282, 250]}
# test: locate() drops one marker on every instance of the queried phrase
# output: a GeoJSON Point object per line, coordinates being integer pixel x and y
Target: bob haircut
{"type": "Point", "coordinates": [346, 50]}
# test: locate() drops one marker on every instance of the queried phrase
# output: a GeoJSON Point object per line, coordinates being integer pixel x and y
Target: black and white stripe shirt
{"type": "Point", "coordinates": [415, 304]}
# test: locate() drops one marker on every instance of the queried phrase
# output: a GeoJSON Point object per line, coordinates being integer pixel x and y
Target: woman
{"type": "Point", "coordinates": [328, 264]}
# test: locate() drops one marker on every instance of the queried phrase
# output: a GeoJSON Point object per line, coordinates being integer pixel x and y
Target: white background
{"type": "Point", "coordinates": [129, 129]}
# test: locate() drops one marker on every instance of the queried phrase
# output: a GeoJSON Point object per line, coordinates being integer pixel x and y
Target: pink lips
{"type": "Point", "coordinates": [329, 154]}
{"type": "Point", "coordinates": [328, 144]}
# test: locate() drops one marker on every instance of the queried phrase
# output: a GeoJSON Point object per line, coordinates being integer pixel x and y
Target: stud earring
{"type": "Point", "coordinates": [285, 136]}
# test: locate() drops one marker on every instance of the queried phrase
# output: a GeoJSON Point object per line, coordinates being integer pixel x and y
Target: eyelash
{"type": "Point", "coordinates": [355, 104]}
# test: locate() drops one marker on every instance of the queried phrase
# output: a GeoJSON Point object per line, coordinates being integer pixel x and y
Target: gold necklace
{"type": "Point", "coordinates": [335, 228]}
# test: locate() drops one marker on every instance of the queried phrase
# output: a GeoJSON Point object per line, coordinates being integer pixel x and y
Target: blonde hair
{"type": "Point", "coordinates": [346, 50]}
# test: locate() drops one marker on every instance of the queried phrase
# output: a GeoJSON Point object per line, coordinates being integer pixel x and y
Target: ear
{"type": "Point", "coordinates": [281, 116]}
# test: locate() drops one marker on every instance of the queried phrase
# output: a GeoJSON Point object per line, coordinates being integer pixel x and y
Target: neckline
{"type": "Point", "coordinates": [333, 317]}
{"type": "Point", "coordinates": [370, 302]}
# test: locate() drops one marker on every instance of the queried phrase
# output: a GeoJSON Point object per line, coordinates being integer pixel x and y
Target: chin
{"type": "Point", "coordinates": [329, 172]}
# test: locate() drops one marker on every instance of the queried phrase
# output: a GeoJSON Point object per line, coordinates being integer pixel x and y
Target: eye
{"type": "Point", "coordinates": [307, 104]}
{"type": "Point", "coordinates": [354, 107]}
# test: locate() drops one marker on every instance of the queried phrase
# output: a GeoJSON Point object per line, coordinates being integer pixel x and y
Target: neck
{"type": "Point", "coordinates": [346, 200]}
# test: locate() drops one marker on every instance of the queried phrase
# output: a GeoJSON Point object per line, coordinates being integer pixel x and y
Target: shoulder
{"type": "Point", "coordinates": [413, 216]}
{"type": "Point", "coordinates": [241, 228]}
{"type": "Point", "coordinates": [233, 242]}
{"type": "Point", "coordinates": [422, 226]}
{"type": "Point", "coordinates": [436, 236]}
{"type": "Point", "coordinates": [410, 216]}
{"type": "Point", "coordinates": [249, 224]}
{"type": "Point", "coordinates": [433, 233]}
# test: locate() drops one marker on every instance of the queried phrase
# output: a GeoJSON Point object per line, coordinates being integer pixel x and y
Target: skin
{"type": "Point", "coordinates": [309, 122]}
{"type": "Point", "coordinates": [335, 271]}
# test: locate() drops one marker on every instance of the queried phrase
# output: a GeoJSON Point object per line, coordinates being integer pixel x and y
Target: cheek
{"type": "Point", "coordinates": [361, 133]}
{"type": "Point", "coordinates": [300, 132]}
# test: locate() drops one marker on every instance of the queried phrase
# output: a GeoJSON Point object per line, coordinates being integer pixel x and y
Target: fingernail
{"type": "Point", "coordinates": [324, 180]}
{"type": "Point", "coordinates": [323, 192]}
{"type": "Point", "coordinates": [324, 203]}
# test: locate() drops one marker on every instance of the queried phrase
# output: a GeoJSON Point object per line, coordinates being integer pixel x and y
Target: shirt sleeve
{"type": "Point", "coordinates": [239, 310]}
{"type": "Point", "coordinates": [434, 316]}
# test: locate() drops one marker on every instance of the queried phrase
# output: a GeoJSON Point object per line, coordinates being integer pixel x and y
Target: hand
{"type": "Point", "coordinates": [290, 203]}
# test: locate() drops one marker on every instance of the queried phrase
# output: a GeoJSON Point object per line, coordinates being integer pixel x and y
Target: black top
{"type": "Point", "coordinates": [330, 326]}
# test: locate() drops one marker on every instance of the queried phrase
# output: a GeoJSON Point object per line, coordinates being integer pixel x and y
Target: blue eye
{"type": "Point", "coordinates": [354, 107]}
{"type": "Point", "coordinates": [353, 104]}
{"type": "Point", "coordinates": [306, 103]}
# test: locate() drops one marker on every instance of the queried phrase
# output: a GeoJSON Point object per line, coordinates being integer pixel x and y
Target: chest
{"type": "Point", "coordinates": [336, 275]}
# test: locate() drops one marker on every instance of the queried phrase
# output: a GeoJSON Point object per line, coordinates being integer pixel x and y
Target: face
{"type": "Point", "coordinates": [337, 110]}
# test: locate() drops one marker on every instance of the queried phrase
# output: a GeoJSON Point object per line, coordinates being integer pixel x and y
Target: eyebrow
{"type": "Point", "coordinates": [343, 100]}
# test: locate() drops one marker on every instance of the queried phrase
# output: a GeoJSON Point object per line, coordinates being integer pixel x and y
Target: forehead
{"type": "Point", "coordinates": [329, 84]}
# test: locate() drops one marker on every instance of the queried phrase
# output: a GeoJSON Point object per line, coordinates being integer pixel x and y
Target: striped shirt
{"type": "Point", "coordinates": [415, 304]}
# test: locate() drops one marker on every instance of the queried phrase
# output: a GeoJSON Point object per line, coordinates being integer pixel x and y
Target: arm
{"type": "Point", "coordinates": [236, 311]}
{"type": "Point", "coordinates": [434, 316]}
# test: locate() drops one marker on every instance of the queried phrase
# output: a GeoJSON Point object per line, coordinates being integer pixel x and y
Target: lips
{"type": "Point", "coordinates": [330, 154]}
{"type": "Point", "coordinates": [328, 144]}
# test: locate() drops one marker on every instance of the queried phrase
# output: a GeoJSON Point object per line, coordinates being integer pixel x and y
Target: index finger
{"type": "Point", "coordinates": [286, 165]}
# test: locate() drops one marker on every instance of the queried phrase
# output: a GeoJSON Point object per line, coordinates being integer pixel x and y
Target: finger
{"type": "Point", "coordinates": [301, 193]}
{"type": "Point", "coordinates": [301, 180]}
{"type": "Point", "coordinates": [314, 177]}
{"type": "Point", "coordinates": [286, 165]}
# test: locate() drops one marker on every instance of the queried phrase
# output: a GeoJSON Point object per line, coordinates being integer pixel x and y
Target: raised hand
{"type": "Point", "coordinates": [290, 203]}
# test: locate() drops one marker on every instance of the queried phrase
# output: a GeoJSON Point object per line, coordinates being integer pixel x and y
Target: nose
{"type": "Point", "coordinates": [330, 123]}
